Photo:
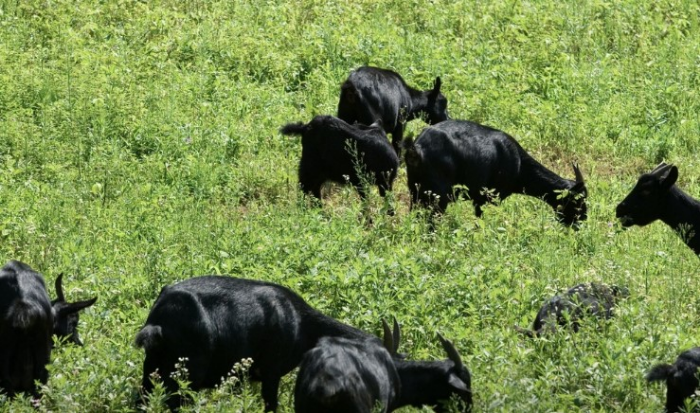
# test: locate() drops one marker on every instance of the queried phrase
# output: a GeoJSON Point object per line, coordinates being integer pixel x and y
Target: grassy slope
{"type": "Point", "coordinates": [139, 146]}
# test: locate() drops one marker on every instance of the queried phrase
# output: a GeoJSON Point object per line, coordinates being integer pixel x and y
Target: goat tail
{"type": "Point", "coordinates": [24, 315]}
{"type": "Point", "coordinates": [149, 337]}
{"type": "Point", "coordinates": [298, 128]}
{"type": "Point", "coordinates": [659, 372]}
{"type": "Point", "coordinates": [412, 156]}
{"type": "Point", "coordinates": [525, 332]}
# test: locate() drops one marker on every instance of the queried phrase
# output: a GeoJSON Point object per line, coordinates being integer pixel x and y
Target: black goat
{"type": "Point", "coordinates": [656, 197]}
{"type": "Point", "coordinates": [215, 321]}
{"type": "Point", "coordinates": [681, 378]}
{"type": "Point", "coordinates": [485, 160]}
{"type": "Point", "coordinates": [370, 94]}
{"type": "Point", "coordinates": [569, 308]}
{"type": "Point", "coordinates": [431, 383]}
{"type": "Point", "coordinates": [346, 375]}
{"type": "Point", "coordinates": [27, 321]}
{"type": "Point", "coordinates": [333, 150]}
{"type": "Point", "coordinates": [66, 317]}
{"type": "Point", "coordinates": [354, 375]}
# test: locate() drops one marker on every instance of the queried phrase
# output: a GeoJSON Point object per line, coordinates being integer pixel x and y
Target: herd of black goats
{"type": "Point", "coordinates": [213, 322]}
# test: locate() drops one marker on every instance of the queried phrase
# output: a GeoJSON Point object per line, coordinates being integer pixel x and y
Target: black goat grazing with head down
{"type": "Point", "coordinates": [681, 378]}
{"type": "Point", "coordinates": [488, 162]}
{"type": "Point", "coordinates": [569, 308]}
{"type": "Point", "coordinates": [66, 317]}
{"type": "Point", "coordinates": [346, 375]}
{"type": "Point", "coordinates": [430, 383]}
{"type": "Point", "coordinates": [215, 321]}
{"type": "Point", "coordinates": [333, 150]}
{"type": "Point", "coordinates": [28, 319]}
{"type": "Point", "coordinates": [657, 197]}
{"type": "Point", "coordinates": [370, 94]}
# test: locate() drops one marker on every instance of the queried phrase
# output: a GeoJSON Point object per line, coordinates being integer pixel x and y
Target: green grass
{"type": "Point", "coordinates": [139, 147]}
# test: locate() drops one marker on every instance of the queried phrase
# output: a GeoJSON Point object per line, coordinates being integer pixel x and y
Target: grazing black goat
{"type": "Point", "coordinates": [569, 308]}
{"type": "Point", "coordinates": [370, 94]}
{"type": "Point", "coordinates": [431, 383]}
{"type": "Point", "coordinates": [681, 378]}
{"type": "Point", "coordinates": [66, 317]}
{"type": "Point", "coordinates": [346, 376]}
{"type": "Point", "coordinates": [656, 197]}
{"type": "Point", "coordinates": [488, 162]}
{"type": "Point", "coordinates": [27, 321]}
{"type": "Point", "coordinates": [215, 321]}
{"type": "Point", "coordinates": [333, 150]}
{"type": "Point", "coordinates": [356, 375]}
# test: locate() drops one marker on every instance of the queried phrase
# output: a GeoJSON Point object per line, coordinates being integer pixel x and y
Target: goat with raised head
{"type": "Point", "coordinates": [655, 196]}
{"type": "Point", "coordinates": [28, 319]}
{"type": "Point", "coordinates": [333, 150]}
{"type": "Point", "coordinates": [489, 163]}
{"type": "Point", "coordinates": [370, 94]}
{"type": "Point", "coordinates": [681, 378]}
{"type": "Point", "coordinates": [569, 308]}
{"type": "Point", "coordinates": [215, 321]}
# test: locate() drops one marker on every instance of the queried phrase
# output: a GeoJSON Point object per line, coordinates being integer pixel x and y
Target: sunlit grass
{"type": "Point", "coordinates": [139, 146]}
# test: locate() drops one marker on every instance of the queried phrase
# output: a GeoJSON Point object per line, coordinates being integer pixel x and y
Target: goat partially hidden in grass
{"type": "Point", "coordinates": [681, 378]}
{"type": "Point", "coordinates": [569, 308]}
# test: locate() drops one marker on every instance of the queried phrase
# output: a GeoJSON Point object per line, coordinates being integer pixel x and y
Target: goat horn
{"type": "Point", "coordinates": [59, 288]}
{"type": "Point", "coordinates": [452, 353]}
{"type": "Point", "coordinates": [577, 172]}
{"type": "Point", "coordinates": [396, 335]}
{"type": "Point", "coordinates": [659, 167]}
{"type": "Point", "coordinates": [388, 338]}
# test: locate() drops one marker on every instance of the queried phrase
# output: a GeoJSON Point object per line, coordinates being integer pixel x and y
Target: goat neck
{"type": "Point", "coordinates": [539, 181]}
{"type": "Point", "coordinates": [682, 213]}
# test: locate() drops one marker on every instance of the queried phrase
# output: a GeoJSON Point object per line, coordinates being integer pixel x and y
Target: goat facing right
{"type": "Point", "coordinates": [360, 375]}
{"type": "Point", "coordinates": [458, 153]}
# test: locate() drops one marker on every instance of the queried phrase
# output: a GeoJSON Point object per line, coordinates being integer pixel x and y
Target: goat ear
{"type": "Point", "coordinates": [70, 308]}
{"type": "Point", "coordinates": [59, 288]}
{"type": "Point", "coordinates": [668, 176]}
{"type": "Point", "coordinates": [452, 353]}
{"type": "Point", "coordinates": [659, 372]}
{"type": "Point", "coordinates": [436, 85]}
{"type": "Point", "coordinates": [579, 188]}
{"type": "Point", "coordinates": [457, 383]}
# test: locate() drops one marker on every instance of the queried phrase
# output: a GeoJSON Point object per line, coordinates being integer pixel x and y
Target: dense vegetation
{"type": "Point", "coordinates": [139, 146]}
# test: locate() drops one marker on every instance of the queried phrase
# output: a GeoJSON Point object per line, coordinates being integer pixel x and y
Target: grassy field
{"type": "Point", "coordinates": [139, 147]}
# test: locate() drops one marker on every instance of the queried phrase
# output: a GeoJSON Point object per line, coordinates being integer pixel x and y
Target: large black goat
{"type": "Point", "coordinates": [569, 308]}
{"type": "Point", "coordinates": [489, 163]}
{"type": "Point", "coordinates": [28, 319]}
{"type": "Point", "coordinates": [370, 94]}
{"type": "Point", "coordinates": [333, 150]}
{"type": "Point", "coordinates": [215, 321]}
{"type": "Point", "coordinates": [358, 375]}
{"type": "Point", "coordinates": [681, 378]}
{"type": "Point", "coordinates": [657, 197]}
